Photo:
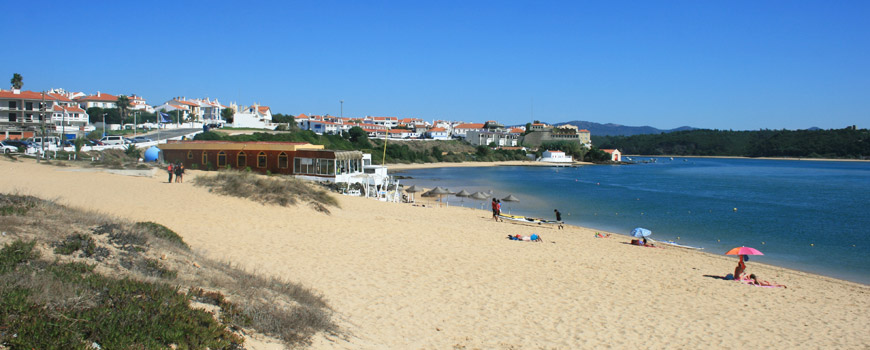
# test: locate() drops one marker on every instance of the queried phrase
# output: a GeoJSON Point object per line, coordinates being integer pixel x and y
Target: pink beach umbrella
{"type": "Point", "coordinates": [744, 251]}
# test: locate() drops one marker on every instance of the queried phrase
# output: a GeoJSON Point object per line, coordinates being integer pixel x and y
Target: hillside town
{"type": "Point", "coordinates": [65, 116]}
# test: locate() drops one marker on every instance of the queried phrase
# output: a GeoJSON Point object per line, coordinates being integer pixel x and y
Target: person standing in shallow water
{"type": "Point", "coordinates": [559, 218]}
{"type": "Point", "coordinates": [494, 210]}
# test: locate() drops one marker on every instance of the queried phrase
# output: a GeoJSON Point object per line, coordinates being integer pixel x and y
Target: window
{"type": "Point", "coordinates": [241, 160]}
{"type": "Point", "coordinates": [261, 160]}
{"type": "Point", "coordinates": [204, 157]}
{"type": "Point", "coordinates": [222, 159]}
{"type": "Point", "coordinates": [282, 161]}
{"type": "Point", "coordinates": [189, 154]}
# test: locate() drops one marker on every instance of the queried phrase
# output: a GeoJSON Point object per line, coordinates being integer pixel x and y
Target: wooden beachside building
{"type": "Point", "coordinates": [299, 159]}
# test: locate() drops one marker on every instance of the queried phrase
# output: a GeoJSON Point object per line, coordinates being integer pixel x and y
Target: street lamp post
{"type": "Point", "coordinates": [104, 124]}
{"type": "Point", "coordinates": [342, 108]}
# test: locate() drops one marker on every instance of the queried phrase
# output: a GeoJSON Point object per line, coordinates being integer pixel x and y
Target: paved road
{"type": "Point", "coordinates": [167, 133]}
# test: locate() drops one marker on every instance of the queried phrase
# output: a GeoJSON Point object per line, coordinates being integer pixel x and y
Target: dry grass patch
{"type": "Point", "coordinates": [66, 274]}
{"type": "Point", "coordinates": [280, 190]}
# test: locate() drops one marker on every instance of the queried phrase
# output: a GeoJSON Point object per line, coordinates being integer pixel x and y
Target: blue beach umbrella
{"type": "Point", "coordinates": [640, 232]}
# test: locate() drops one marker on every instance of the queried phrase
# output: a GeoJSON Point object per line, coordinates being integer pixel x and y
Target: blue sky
{"type": "Point", "coordinates": [741, 65]}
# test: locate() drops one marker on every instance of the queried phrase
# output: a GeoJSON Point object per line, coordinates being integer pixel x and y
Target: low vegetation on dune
{"type": "Point", "coordinates": [71, 279]}
{"type": "Point", "coordinates": [280, 190]}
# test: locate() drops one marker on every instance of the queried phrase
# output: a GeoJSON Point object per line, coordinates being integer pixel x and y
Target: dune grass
{"type": "Point", "coordinates": [279, 190]}
{"type": "Point", "coordinates": [71, 279]}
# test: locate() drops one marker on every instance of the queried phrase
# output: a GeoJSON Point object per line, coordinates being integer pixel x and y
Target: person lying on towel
{"type": "Point", "coordinates": [642, 242]}
{"type": "Point", "coordinates": [754, 280]}
{"type": "Point", "coordinates": [532, 238]}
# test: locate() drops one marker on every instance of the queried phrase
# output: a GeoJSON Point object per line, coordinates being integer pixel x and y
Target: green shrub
{"type": "Point", "coordinates": [74, 243]}
{"type": "Point", "coordinates": [162, 232]}
{"type": "Point", "coordinates": [16, 253]}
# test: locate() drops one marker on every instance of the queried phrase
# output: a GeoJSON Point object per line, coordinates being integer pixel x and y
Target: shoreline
{"type": "Point", "coordinates": [400, 276]}
{"type": "Point", "coordinates": [763, 158]}
{"type": "Point", "coordinates": [400, 167]}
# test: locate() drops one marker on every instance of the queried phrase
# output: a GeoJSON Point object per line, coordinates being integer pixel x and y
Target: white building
{"type": "Point", "coordinates": [461, 130]}
{"type": "Point", "coordinates": [137, 103]}
{"type": "Point", "coordinates": [438, 134]}
{"type": "Point", "coordinates": [70, 120]}
{"type": "Point", "coordinates": [99, 100]}
{"type": "Point", "coordinates": [254, 116]}
{"type": "Point", "coordinates": [556, 157]}
{"type": "Point", "coordinates": [615, 154]}
{"type": "Point", "coordinates": [390, 122]}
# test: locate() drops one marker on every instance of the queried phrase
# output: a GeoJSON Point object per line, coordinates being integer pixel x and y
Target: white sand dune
{"type": "Point", "coordinates": [405, 277]}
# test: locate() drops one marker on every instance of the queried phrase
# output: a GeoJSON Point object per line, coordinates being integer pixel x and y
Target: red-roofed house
{"type": "Point", "coordinates": [20, 112]}
{"type": "Point", "coordinates": [438, 134]}
{"type": "Point", "coordinates": [101, 100]}
{"type": "Point", "coordinates": [70, 120]}
{"type": "Point", "coordinates": [462, 129]}
{"type": "Point", "coordinates": [253, 116]}
{"type": "Point", "coordinates": [400, 133]}
{"type": "Point", "coordinates": [390, 122]}
{"type": "Point", "coordinates": [615, 155]}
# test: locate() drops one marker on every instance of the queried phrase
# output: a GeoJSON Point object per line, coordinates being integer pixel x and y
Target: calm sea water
{"type": "Point", "coordinates": [806, 215]}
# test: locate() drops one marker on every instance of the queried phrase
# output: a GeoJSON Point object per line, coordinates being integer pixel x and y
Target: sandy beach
{"type": "Point", "coordinates": [410, 277]}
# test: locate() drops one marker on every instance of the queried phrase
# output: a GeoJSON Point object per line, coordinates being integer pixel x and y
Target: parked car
{"type": "Point", "coordinates": [18, 143]}
{"type": "Point", "coordinates": [7, 148]}
{"type": "Point", "coordinates": [138, 139]}
{"type": "Point", "coordinates": [113, 140]}
{"type": "Point", "coordinates": [93, 143]}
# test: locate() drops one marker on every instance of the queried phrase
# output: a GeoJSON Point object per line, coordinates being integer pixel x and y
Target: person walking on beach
{"type": "Point", "coordinates": [180, 174]}
{"type": "Point", "coordinates": [179, 171]}
{"type": "Point", "coordinates": [494, 209]}
{"type": "Point", "coordinates": [559, 218]}
{"type": "Point", "coordinates": [170, 171]}
{"type": "Point", "coordinates": [497, 209]}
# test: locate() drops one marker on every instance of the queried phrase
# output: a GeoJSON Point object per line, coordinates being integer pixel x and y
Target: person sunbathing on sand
{"type": "Point", "coordinates": [754, 280]}
{"type": "Point", "coordinates": [642, 242]}
{"type": "Point", "coordinates": [532, 238]}
{"type": "Point", "coordinates": [598, 235]}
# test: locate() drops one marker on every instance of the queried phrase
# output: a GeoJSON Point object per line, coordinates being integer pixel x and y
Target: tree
{"type": "Point", "coordinates": [228, 115]}
{"type": "Point", "coordinates": [359, 137]}
{"type": "Point", "coordinates": [123, 103]}
{"type": "Point", "coordinates": [17, 81]}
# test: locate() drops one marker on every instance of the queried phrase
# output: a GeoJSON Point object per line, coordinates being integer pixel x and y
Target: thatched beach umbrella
{"type": "Point", "coordinates": [413, 189]}
{"type": "Point", "coordinates": [481, 196]}
{"type": "Point", "coordinates": [440, 192]}
{"type": "Point", "coordinates": [510, 198]}
{"type": "Point", "coordinates": [462, 194]}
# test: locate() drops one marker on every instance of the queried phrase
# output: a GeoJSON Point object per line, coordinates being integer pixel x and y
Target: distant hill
{"type": "Point", "coordinates": [610, 129]}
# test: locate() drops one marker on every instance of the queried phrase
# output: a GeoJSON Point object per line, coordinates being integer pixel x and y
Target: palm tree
{"type": "Point", "coordinates": [17, 81]}
{"type": "Point", "coordinates": [123, 104]}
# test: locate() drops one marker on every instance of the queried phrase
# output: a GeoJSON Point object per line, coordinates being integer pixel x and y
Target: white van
{"type": "Point", "coordinates": [112, 140]}
{"type": "Point", "coordinates": [51, 142]}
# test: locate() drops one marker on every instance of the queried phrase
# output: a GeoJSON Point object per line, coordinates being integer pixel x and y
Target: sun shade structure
{"type": "Point", "coordinates": [744, 251]}
{"type": "Point", "coordinates": [479, 196]}
{"type": "Point", "coordinates": [510, 198]}
{"type": "Point", "coordinates": [439, 191]}
{"type": "Point", "coordinates": [640, 232]}
{"type": "Point", "coordinates": [413, 189]}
